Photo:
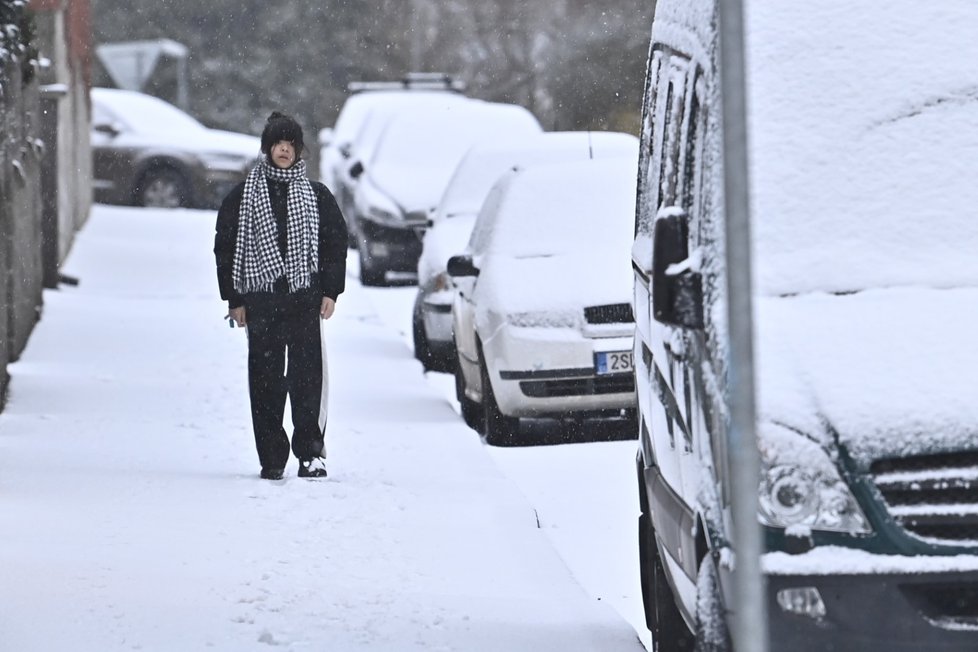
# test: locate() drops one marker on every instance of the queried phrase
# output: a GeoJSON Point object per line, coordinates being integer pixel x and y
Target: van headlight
{"type": "Point", "coordinates": [801, 486]}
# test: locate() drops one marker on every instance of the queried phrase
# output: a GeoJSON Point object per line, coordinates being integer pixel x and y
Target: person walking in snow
{"type": "Point", "coordinates": [280, 246]}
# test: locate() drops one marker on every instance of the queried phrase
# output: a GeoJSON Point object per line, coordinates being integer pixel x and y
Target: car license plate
{"type": "Point", "coordinates": [613, 362]}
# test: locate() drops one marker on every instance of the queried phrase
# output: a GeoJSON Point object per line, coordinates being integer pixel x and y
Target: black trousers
{"type": "Point", "coordinates": [281, 323]}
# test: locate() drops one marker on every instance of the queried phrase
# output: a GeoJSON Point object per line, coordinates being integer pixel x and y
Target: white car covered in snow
{"type": "Point", "coordinates": [359, 124]}
{"type": "Point", "coordinates": [407, 172]}
{"type": "Point", "coordinates": [543, 324]}
{"type": "Point", "coordinates": [452, 222]}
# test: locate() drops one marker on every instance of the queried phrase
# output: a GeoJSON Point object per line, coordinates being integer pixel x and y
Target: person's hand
{"type": "Point", "coordinates": [327, 308]}
{"type": "Point", "coordinates": [238, 315]}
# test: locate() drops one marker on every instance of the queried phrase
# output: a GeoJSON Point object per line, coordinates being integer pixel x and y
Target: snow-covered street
{"type": "Point", "coordinates": [133, 517]}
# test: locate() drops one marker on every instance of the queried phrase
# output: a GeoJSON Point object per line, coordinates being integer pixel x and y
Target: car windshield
{"type": "Point", "coordinates": [472, 180]}
{"type": "Point", "coordinates": [438, 137]}
{"type": "Point", "coordinates": [560, 209]}
{"type": "Point", "coordinates": [420, 141]}
{"type": "Point", "coordinates": [484, 164]}
{"type": "Point", "coordinates": [863, 174]}
{"type": "Point", "coordinates": [361, 108]}
{"type": "Point", "coordinates": [146, 114]}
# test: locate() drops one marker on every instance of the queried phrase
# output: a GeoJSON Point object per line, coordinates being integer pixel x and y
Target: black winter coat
{"type": "Point", "coordinates": [331, 278]}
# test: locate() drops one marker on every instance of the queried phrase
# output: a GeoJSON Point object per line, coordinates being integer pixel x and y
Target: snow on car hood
{"type": "Point", "coordinates": [892, 371]}
{"type": "Point", "coordinates": [417, 189]}
{"type": "Point", "coordinates": [203, 142]}
{"type": "Point", "coordinates": [217, 140]}
{"type": "Point", "coordinates": [561, 284]}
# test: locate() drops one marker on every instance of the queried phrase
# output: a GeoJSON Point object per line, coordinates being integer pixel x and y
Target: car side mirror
{"type": "Point", "coordinates": [109, 130]}
{"type": "Point", "coordinates": [462, 265]}
{"type": "Point", "coordinates": [677, 288]}
{"type": "Point", "coordinates": [356, 170]}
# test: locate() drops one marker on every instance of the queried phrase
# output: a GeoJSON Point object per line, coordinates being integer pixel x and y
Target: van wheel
{"type": "Point", "coordinates": [471, 411]}
{"type": "Point", "coordinates": [499, 429]}
{"type": "Point", "coordinates": [662, 616]}
{"type": "Point", "coordinates": [162, 188]}
{"type": "Point", "coordinates": [712, 634]}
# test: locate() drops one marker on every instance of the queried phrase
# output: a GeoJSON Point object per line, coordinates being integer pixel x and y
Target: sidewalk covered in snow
{"type": "Point", "coordinates": [134, 519]}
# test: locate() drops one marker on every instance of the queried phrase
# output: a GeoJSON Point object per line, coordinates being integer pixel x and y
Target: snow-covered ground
{"type": "Point", "coordinates": [133, 517]}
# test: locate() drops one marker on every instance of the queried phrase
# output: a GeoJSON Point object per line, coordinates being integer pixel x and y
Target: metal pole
{"type": "Point", "coordinates": [750, 627]}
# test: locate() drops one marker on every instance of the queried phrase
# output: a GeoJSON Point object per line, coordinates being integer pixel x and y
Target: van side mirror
{"type": "Point", "coordinates": [462, 265]}
{"type": "Point", "coordinates": [677, 290]}
{"type": "Point", "coordinates": [356, 170]}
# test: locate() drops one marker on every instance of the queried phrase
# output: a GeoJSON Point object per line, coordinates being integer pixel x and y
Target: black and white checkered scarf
{"type": "Point", "coordinates": [257, 259]}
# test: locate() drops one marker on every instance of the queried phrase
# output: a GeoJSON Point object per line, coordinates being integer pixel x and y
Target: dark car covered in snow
{"type": "Point", "coordinates": [147, 152]}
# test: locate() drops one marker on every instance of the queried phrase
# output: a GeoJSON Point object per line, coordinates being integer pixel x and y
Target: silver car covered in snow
{"type": "Point", "coordinates": [543, 324]}
{"type": "Point", "coordinates": [452, 222]}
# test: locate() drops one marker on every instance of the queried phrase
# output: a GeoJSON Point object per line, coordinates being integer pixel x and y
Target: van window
{"type": "Point", "coordinates": [674, 110]}
{"type": "Point", "coordinates": [691, 181]}
{"type": "Point", "coordinates": [643, 221]}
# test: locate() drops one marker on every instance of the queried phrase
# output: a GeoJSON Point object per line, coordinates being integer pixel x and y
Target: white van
{"type": "Point", "coordinates": [863, 145]}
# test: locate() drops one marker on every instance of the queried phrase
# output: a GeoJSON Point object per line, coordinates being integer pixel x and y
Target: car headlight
{"type": "Point", "coordinates": [544, 319]}
{"type": "Point", "coordinates": [442, 281]}
{"type": "Point", "coordinates": [224, 161]}
{"type": "Point", "coordinates": [382, 215]}
{"type": "Point", "coordinates": [801, 486]}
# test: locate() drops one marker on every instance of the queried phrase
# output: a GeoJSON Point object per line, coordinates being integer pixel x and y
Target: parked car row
{"type": "Point", "coordinates": [516, 238]}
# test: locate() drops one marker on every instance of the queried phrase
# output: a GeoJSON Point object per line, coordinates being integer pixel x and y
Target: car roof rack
{"type": "Point", "coordinates": [428, 81]}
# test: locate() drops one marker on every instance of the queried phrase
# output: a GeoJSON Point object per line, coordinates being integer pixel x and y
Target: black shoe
{"type": "Point", "coordinates": [312, 468]}
{"type": "Point", "coordinates": [272, 474]}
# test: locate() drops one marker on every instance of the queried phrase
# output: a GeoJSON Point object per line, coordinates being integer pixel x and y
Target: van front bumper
{"type": "Point", "coordinates": [885, 609]}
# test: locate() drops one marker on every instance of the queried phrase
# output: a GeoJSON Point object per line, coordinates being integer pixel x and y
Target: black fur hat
{"type": "Point", "coordinates": [281, 127]}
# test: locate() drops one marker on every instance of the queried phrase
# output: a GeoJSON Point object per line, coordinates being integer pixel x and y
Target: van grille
{"type": "Point", "coordinates": [934, 497]}
{"type": "Point", "coordinates": [612, 313]}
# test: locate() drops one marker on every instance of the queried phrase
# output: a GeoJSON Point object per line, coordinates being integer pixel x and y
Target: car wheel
{"type": "Point", "coordinates": [369, 276]}
{"type": "Point", "coordinates": [499, 429]}
{"type": "Point", "coordinates": [162, 188]}
{"type": "Point", "coordinates": [712, 634]}
{"type": "Point", "coordinates": [421, 350]}
{"type": "Point", "coordinates": [662, 616]}
{"type": "Point", "coordinates": [471, 411]}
